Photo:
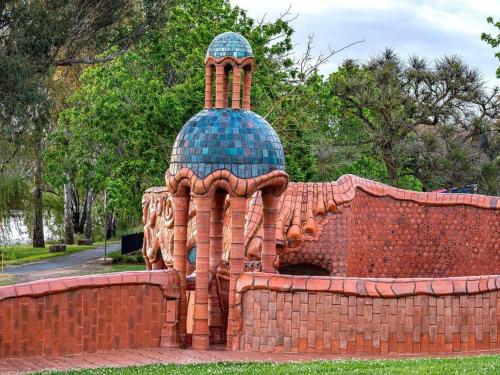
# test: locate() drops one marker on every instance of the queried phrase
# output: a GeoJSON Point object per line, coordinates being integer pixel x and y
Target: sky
{"type": "Point", "coordinates": [427, 28]}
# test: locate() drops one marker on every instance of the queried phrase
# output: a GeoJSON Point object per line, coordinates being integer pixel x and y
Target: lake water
{"type": "Point", "coordinates": [15, 231]}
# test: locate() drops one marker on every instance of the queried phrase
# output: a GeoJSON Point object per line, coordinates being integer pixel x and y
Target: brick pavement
{"type": "Point", "coordinates": [138, 357]}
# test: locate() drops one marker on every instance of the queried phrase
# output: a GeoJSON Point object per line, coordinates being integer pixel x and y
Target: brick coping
{"type": "Point", "coordinates": [370, 287]}
{"type": "Point", "coordinates": [344, 190]}
{"type": "Point", "coordinates": [363, 287]}
{"type": "Point", "coordinates": [167, 280]}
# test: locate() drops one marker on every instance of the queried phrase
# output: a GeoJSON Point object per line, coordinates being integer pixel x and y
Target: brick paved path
{"type": "Point", "coordinates": [138, 357]}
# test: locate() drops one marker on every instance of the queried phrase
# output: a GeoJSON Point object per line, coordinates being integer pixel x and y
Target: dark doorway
{"type": "Point", "coordinates": [306, 269]}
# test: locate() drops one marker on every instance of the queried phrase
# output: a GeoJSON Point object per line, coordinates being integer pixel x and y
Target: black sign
{"type": "Point", "coordinates": [132, 242]}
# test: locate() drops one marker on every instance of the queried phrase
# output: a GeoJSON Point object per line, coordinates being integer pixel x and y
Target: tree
{"type": "Point", "coordinates": [492, 40]}
{"type": "Point", "coordinates": [393, 99]}
{"type": "Point", "coordinates": [122, 122]}
{"type": "Point", "coordinates": [38, 36]}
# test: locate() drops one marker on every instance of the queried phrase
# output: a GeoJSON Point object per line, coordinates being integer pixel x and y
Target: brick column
{"type": "Point", "coordinates": [236, 265]}
{"type": "Point", "coordinates": [181, 208]}
{"type": "Point", "coordinates": [169, 334]}
{"type": "Point", "coordinates": [270, 210]}
{"type": "Point", "coordinates": [200, 316]}
{"type": "Point", "coordinates": [215, 323]}
{"type": "Point", "coordinates": [236, 87]}
{"type": "Point", "coordinates": [209, 101]}
{"type": "Point", "coordinates": [247, 84]}
{"type": "Point", "coordinates": [219, 86]}
{"type": "Point", "coordinates": [225, 87]}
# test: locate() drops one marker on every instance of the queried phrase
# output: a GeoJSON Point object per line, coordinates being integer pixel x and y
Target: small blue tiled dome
{"type": "Point", "coordinates": [237, 140]}
{"type": "Point", "coordinates": [229, 44]}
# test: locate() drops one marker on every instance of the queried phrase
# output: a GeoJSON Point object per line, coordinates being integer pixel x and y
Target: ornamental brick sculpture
{"type": "Point", "coordinates": [227, 221]}
{"type": "Point", "coordinates": [222, 150]}
{"type": "Point", "coordinates": [351, 266]}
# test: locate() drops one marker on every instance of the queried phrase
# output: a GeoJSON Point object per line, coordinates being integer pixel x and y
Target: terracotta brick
{"type": "Point", "coordinates": [75, 320]}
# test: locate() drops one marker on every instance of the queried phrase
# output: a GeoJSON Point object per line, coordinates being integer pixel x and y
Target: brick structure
{"type": "Point", "coordinates": [368, 316]}
{"type": "Point", "coordinates": [89, 313]}
{"type": "Point", "coordinates": [224, 150]}
{"type": "Point", "coordinates": [357, 227]}
{"type": "Point", "coordinates": [228, 213]}
{"type": "Point", "coordinates": [401, 271]}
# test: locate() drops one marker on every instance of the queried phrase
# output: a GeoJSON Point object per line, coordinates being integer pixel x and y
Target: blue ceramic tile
{"type": "Point", "coordinates": [229, 44]}
{"type": "Point", "coordinates": [227, 147]}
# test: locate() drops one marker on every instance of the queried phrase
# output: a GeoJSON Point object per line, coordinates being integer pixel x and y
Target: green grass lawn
{"type": "Point", "coordinates": [460, 365]}
{"type": "Point", "coordinates": [19, 254]}
{"type": "Point", "coordinates": [6, 279]}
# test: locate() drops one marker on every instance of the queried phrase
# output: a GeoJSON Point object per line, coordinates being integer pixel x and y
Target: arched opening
{"type": "Point", "coordinates": [228, 80]}
{"type": "Point", "coordinates": [305, 269]}
{"type": "Point", "coordinates": [212, 85]}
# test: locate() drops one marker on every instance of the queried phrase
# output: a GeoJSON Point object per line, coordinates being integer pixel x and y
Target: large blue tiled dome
{"type": "Point", "coordinates": [229, 44]}
{"type": "Point", "coordinates": [237, 140]}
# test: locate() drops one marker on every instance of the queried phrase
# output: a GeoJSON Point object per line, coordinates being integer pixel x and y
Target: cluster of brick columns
{"type": "Point", "coordinates": [209, 212]}
{"type": "Point", "coordinates": [222, 86]}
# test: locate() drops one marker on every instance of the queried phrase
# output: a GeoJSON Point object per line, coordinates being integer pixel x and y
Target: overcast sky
{"type": "Point", "coordinates": [427, 28]}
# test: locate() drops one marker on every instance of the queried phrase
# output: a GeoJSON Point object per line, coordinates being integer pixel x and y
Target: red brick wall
{"type": "Point", "coordinates": [393, 238]}
{"type": "Point", "coordinates": [370, 316]}
{"type": "Point", "coordinates": [88, 314]}
{"type": "Point", "coordinates": [329, 251]}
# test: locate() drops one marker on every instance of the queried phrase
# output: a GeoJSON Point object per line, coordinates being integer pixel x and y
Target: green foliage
{"type": "Point", "coordinates": [431, 126]}
{"type": "Point", "coordinates": [135, 258]}
{"type": "Point", "coordinates": [407, 123]}
{"type": "Point", "coordinates": [117, 134]}
{"type": "Point", "coordinates": [13, 192]}
{"type": "Point", "coordinates": [19, 254]}
{"type": "Point", "coordinates": [493, 40]}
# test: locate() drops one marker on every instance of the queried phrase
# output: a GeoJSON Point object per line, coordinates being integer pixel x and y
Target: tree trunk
{"type": "Point", "coordinates": [392, 170]}
{"type": "Point", "coordinates": [38, 237]}
{"type": "Point", "coordinates": [110, 225]}
{"type": "Point", "coordinates": [88, 224]}
{"type": "Point", "coordinates": [69, 236]}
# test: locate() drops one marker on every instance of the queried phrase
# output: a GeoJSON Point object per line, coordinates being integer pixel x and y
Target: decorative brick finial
{"type": "Point", "coordinates": [228, 53]}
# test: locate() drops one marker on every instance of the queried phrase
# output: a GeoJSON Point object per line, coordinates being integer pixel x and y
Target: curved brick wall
{"type": "Point", "coordinates": [394, 238]}
{"type": "Point", "coordinates": [89, 313]}
{"type": "Point", "coordinates": [371, 316]}
{"type": "Point", "coordinates": [358, 227]}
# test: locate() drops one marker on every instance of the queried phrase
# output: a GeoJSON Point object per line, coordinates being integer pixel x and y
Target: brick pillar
{"type": "Point", "coordinates": [200, 316]}
{"type": "Point", "coordinates": [270, 210]}
{"type": "Point", "coordinates": [209, 101]}
{"type": "Point", "coordinates": [247, 84]}
{"type": "Point", "coordinates": [215, 323]}
{"type": "Point", "coordinates": [236, 265]}
{"type": "Point", "coordinates": [236, 87]}
{"type": "Point", "coordinates": [225, 87]}
{"type": "Point", "coordinates": [219, 86]}
{"type": "Point", "coordinates": [181, 207]}
{"type": "Point", "coordinates": [169, 334]}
